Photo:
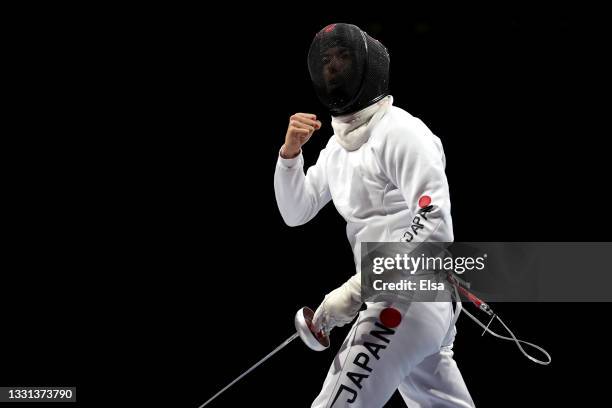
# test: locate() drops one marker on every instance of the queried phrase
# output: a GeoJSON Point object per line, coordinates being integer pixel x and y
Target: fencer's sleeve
{"type": "Point", "coordinates": [413, 160]}
{"type": "Point", "coordinates": [300, 196]}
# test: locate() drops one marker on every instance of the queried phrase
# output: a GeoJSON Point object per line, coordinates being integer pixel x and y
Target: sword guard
{"type": "Point", "coordinates": [303, 325]}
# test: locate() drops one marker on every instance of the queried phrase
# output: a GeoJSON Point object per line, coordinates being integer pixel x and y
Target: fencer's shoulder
{"type": "Point", "coordinates": [399, 128]}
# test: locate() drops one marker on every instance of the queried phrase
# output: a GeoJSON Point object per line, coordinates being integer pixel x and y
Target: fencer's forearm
{"type": "Point", "coordinates": [297, 202]}
{"type": "Point", "coordinates": [353, 287]}
{"type": "Point", "coordinates": [340, 306]}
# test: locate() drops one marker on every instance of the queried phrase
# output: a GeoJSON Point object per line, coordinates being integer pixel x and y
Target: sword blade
{"type": "Point", "coordinates": [276, 350]}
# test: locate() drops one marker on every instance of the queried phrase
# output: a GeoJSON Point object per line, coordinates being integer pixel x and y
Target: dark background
{"type": "Point", "coordinates": [146, 259]}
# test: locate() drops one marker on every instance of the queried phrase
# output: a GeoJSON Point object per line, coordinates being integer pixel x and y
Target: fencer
{"type": "Point", "coordinates": [380, 166]}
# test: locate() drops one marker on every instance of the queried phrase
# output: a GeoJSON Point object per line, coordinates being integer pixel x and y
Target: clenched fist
{"type": "Point", "coordinates": [301, 127]}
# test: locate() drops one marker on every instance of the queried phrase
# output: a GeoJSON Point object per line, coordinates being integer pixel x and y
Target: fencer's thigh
{"type": "Point", "coordinates": [374, 358]}
{"type": "Point", "coordinates": [436, 381]}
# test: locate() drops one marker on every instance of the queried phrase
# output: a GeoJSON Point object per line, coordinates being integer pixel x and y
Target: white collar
{"type": "Point", "coordinates": [354, 129]}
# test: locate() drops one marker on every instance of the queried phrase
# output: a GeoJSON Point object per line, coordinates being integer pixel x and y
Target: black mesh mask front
{"type": "Point", "coordinates": [349, 69]}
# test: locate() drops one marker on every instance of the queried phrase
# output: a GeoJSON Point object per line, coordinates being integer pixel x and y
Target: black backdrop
{"type": "Point", "coordinates": [148, 260]}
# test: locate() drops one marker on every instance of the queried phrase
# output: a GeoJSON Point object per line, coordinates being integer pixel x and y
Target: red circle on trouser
{"type": "Point", "coordinates": [390, 317]}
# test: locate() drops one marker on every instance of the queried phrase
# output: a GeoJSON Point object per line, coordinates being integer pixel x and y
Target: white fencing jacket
{"type": "Point", "coordinates": [378, 187]}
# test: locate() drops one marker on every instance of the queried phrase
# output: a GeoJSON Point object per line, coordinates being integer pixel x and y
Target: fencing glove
{"type": "Point", "coordinates": [339, 307]}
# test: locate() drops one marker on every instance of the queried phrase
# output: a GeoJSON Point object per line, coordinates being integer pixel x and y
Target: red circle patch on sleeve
{"type": "Point", "coordinates": [390, 317]}
{"type": "Point", "coordinates": [424, 201]}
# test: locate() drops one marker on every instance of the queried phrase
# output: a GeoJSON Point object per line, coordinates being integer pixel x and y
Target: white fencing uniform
{"type": "Point", "coordinates": [381, 166]}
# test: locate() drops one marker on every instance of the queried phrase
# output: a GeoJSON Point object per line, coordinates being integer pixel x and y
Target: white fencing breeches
{"type": "Point", "coordinates": [405, 347]}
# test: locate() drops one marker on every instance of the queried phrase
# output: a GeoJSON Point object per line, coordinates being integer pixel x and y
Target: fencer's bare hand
{"type": "Point", "coordinates": [301, 127]}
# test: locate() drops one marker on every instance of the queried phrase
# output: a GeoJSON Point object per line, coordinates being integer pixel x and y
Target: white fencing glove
{"type": "Point", "coordinates": [339, 307]}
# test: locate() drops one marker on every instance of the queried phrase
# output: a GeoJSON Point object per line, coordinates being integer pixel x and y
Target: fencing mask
{"type": "Point", "coordinates": [349, 69]}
